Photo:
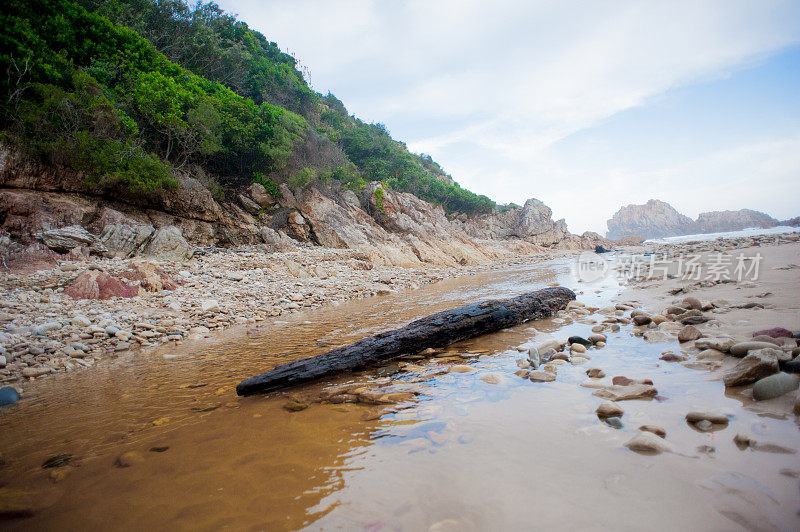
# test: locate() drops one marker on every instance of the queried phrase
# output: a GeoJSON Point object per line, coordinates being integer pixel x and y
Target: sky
{"type": "Point", "coordinates": [587, 106]}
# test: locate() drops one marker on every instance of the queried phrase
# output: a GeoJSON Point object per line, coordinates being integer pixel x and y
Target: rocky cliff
{"type": "Point", "coordinates": [654, 219]}
{"type": "Point", "coordinates": [657, 219]}
{"type": "Point", "coordinates": [54, 210]}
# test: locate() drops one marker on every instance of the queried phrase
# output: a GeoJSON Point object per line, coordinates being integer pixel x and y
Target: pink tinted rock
{"type": "Point", "coordinates": [775, 332]}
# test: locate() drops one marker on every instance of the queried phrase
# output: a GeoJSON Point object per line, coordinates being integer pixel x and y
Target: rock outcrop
{"type": "Point", "coordinates": [657, 219]}
{"type": "Point", "coordinates": [654, 219]}
{"type": "Point", "coordinates": [54, 211]}
{"type": "Point", "coordinates": [719, 221]}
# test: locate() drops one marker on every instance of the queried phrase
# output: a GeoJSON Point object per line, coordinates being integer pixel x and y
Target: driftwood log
{"type": "Point", "coordinates": [436, 330]}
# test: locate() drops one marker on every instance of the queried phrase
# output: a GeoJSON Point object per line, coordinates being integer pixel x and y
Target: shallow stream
{"type": "Point", "coordinates": [463, 455]}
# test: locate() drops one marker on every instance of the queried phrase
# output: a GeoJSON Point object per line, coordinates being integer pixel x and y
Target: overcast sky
{"type": "Point", "coordinates": [585, 105]}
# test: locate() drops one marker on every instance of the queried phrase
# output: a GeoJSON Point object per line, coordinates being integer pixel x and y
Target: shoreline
{"type": "Point", "coordinates": [46, 332]}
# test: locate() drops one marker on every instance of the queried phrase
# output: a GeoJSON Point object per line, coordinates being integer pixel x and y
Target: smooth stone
{"type": "Point", "coordinates": [775, 332]}
{"type": "Point", "coordinates": [626, 393]}
{"type": "Point", "coordinates": [576, 360]}
{"type": "Point", "coordinates": [655, 429]}
{"type": "Point", "coordinates": [533, 358]}
{"type": "Point", "coordinates": [756, 365]}
{"type": "Point", "coordinates": [720, 344]}
{"type": "Point", "coordinates": [209, 305]}
{"type": "Point", "coordinates": [768, 339]}
{"type": "Point", "coordinates": [600, 345]}
{"type": "Point", "coordinates": [695, 320]}
{"type": "Point", "coordinates": [774, 386]}
{"type": "Point", "coordinates": [129, 458]}
{"type": "Point", "coordinates": [648, 443]}
{"type": "Point", "coordinates": [657, 336]}
{"type": "Point", "coordinates": [572, 340]}
{"type": "Point", "coordinates": [793, 366]}
{"type": "Point", "coordinates": [717, 419]}
{"type": "Point", "coordinates": [595, 338]}
{"type": "Point", "coordinates": [461, 368]}
{"type": "Point", "coordinates": [550, 367]}
{"type": "Point", "coordinates": [689, 333]}
{"type": "Point", "coordinates": [550, 344]}
{"type": "Point", "coordinates": [57, 461]}
{"type": "Point", "coordinates": [81, 321]}
{"type": "Point", "coordinates": [578, 348]}
{"type": "Point", "coordinates": [669, 356]}
{"type": "Point", "coordinates": [613, 422]}
{"type": "Point", "coordinates": [524, 373]}
{"type": "Point", "coordinates": [541, 376]}
{"type": "Point", "coordinates": [658, 319]}
{"type": "Point", "coordinates": [8, 396]}
{"type": "Point", "coordinates": [608, 409]}
{"type": "Point", "coordinates": [742, 348]}
{"type": "Point", "coordinates": [710, 354]}
{"type": "Point", "coordinates": [692, 303]}
{"type": "Point", "coordinates": [704, 425]}
{"type": "Point", "coordinates": [294, 406]}
{"type": "Point", "coordinates": [595, 373]}
{"type": "Point", "coordinates": [492, 378]}
{"type": "Point", "coordinates": [642, 320]}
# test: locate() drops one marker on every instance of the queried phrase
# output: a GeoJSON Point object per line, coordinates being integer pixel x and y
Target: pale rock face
{"type": "Point", "coordinates": [168, 243]}
{"type": "Point", "coordinates": [657, 219]}
{"type": "Point", "coordinates": [718, 221]}
{"type": "Point", "coordinates": [402, 230]}
{"type": "Point", "coordinates": [654, 219]}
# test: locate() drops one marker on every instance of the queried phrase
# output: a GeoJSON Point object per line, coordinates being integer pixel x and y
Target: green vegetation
{"type": "Point", "coordinates": [132, 91]}
{"type": "Point", "coordinates": [84, 92]}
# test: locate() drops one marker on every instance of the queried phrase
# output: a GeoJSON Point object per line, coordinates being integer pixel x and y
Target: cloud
{"type": "Point", "coordinates": [489, 88]}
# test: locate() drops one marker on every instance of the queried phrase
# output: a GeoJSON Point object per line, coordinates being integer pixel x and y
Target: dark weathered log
{"type": "Point", "coordinates": [437, 330]}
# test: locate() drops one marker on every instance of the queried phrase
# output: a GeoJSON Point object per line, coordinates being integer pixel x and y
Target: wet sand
{"type": "Point", "coordinates": [463, 454]}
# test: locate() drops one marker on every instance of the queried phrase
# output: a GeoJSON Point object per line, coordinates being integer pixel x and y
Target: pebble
{"type": "Point", "coordinates": [595, 338]}
{"type": "Point", "coordinates": [129, 458]}
{"type": "Point", "coordinates": [295, 406]}
{"type": "Point", "coordinates": [209, 305]}
{"type": "Point", "coordinates": [608, 409]}
{"type": "Point", "coordinates": [655, 429]}
{"type": "Point", "coordinates": [578, 340]}
{"type": "Point", "coordinates": [743, 348]}
{"type": "Point", "coordinates": [774, 386]}
{"type": "Point", "coordinates": [461, 368]}
{"type": "Point", "coordinates": [689, 333]}
{"type": "Point", "coordinates": [720, 344]}
{"type": "Point", "coordinates": [578, 348]}
{"type": "Point", "coordinates": [492, 378]}
{"type": "Point", "coordinates": [595, 373]}
{"type": "Point", "coordinates": [8, 396]}
{"type": "Point", "coordinates": [541, 376]}
{"type": "Point", "coordinates": [704, 425]}
{"type": "Point", "coordinates": [648, 443]}
{"type": "Point", "coordinates": [81, 321]}
{"type": "Point", "coordinates": [696, 416]}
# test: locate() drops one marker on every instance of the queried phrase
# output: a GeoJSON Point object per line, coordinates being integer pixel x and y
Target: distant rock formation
{"type": "Point", "coordinates": [657, 219]}
{"type": "Point", "coordinates": [654, 219]}
{"type": "Point", "coordinates": [718, 221]}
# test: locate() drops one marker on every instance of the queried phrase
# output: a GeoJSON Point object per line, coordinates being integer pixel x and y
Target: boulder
{"type": "Point", "coordinates": [150, 277]}
{"type": "Point", "coordinates": [167, 243]}
{"type": "Point", "coordinates": [124, 241]}
{"type": "Point", "coordinates": [99, 285]}
{"type": "Point", "coordinates": [67, 238]}
{"type": "Point", "coordinates": [756, 365]}
{"type": "Point", "coordinates": [258, 194]}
